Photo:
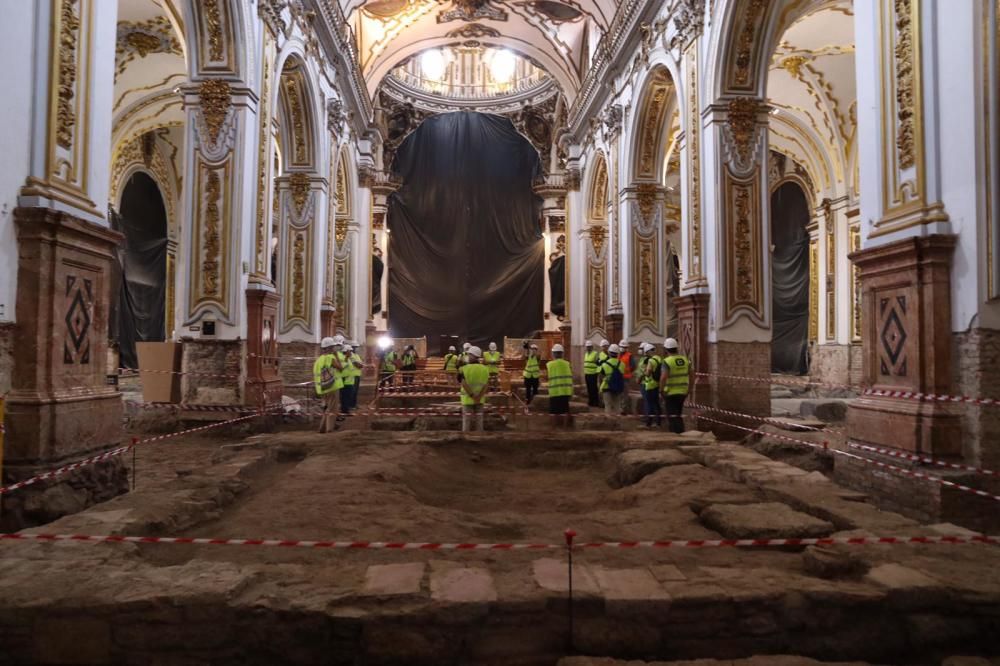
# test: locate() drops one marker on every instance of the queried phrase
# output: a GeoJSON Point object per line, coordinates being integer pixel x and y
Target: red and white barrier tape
{"type": "Point", "coordinates": [391, 545]}
{"type": "Point", "coordinates": [51, 474]}
{"type": "Point", "coordinates": [178, 372]}
{"type": "Point", "coordinates": [923, 459]}
{"type": "Point", "coordinates": [877, 463]}
{"type": "Point", "coordinates": [879, 393]}
{"type": "Point", "coordinates": [762, 419]}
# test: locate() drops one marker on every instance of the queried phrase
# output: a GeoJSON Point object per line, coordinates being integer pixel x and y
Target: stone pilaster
{"type": "Point", "coordinates": [692, 316]}
{"type": "Point", "coordinates": [61, 404]}
{"type": "Point", "coordinates": [906, 337]}
{"type": "Point", "coordinates": [263, 378]}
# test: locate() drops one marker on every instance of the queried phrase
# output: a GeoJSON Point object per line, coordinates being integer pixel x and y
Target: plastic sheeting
{"type": "Point", "coordinates": [790, 280]}
{"type": "Point", "coordinates": [466, 252]}
{"type": "Point", "coordinates": [557, 287]}
{"type": "Point", "coordinates": [142, 261]}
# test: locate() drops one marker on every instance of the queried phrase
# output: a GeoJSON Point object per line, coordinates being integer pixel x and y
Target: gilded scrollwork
{"type": "Point", "coordinates": [903, 53]}
{"type": "Point", "coordinates": [299, 188]}
{"type": "Point", "coordinates": [211, 226]}
{"type": "Point", "coordinates": [142, 38]}
{"type": "Point", "coordinates": [215, 96]}
{"type": "Point", "coordinates": [69, 36]}
{"type": "Point", "coordinates": [742, 127]}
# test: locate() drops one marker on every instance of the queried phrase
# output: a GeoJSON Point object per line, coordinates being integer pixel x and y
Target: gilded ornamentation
{"type": "Point", "coordinates": [263, 153]}
{"type": "Point", "coordinates": [299, 274]}
{"type": "Point", "coordinates": [472, 10]}
{"type": "Point", "coordinates": [793, 64]}
{"type": "Point", "coordinates": [213, 21]}
{"type": "Point", "coordinates": [143, 38]}
{"type": "Point", "coordinates": [647, 294]}
{"type": "Point", "coordinates": [747, 40]}
{"type": "Point", "coordinates": [340, 231]}
{"type": "Point", "coordinates": [743, 249]}
{"type": "Point", "coordinates": [599, 191]}
{"type": "Point", "coordinates": [689, 19]}
{"type": "Point", "coordinates": [855, 286]}
{"type": "Point", "coordinates": [596, 298]}
{"type": "Point", "coordinates": [598, 234]}
{"type": "Point", "coordinates": [694, 167]}
{"type": "Point", "coordinates": [340, 291]}
{"type": "Point", "coordinates": [216, 99]}
{"type": "Point", "coordinates": [646, 195]}
{"type": "Point", "coordinates": [813, 290]}
{"type": "Point", "coordinates": [378, 220]}
{"type": "Point", "coordinates": [69, 29]}
{"type": "Point", "coordinates": [210, 252]}
{"type": "Point", "coordinates": [343, 205]}
{"type": "Point", "coordinates": [652, 126]}
{"type": "Point", "coordinates": [742, 120]}
{"type": "Point", "coordinates": [905, 73]}
{"type": "Point", "coordinates": [831, 270]}
{"type": "Point", "coordinates": [170, 297]}
{"type": "Point", "coordinates": [298, 185]}
{"type": "Point", "coordinates": [293, 92]}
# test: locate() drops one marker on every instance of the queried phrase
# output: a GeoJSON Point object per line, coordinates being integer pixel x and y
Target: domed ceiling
{"type": "Point", "coordinates": [557, 36]}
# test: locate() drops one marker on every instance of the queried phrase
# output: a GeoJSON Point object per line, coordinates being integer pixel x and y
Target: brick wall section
{"type": "Point", "coordinates": [6, 356]}
{"type": "Point", "coordinates": [830, 363]}
{"type": "Point", "coordinates": [743, 359]}
{"type": "Point", "coordinates": [296, 370]}
{"type": "Point", "coordinates": [976, 355]}
{"type": "Point", "coordinates": [212, 357]}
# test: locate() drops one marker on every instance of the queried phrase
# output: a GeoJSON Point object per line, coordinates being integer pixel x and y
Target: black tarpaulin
{"type": "Point", "coordinates": [142, 260]}
{"type": "Point", "coordinates": [557, 286]}
{"type": "Point", "coordinates": [377, 268]}
{"type": "Point", "coordinates": [466, 253]}
{"type": "Point", "coordinates": [790, 280]}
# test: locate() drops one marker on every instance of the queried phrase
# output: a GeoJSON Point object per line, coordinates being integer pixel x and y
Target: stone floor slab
{"type": "Point", "coordinates": [463, 585]}
{"type": "Point", "coordinates": [629, 584]}
{"type": "Point", "coordinates": [552, 575]}
{"type": "Point", "coordinates": [393, 579]}
{"type": "Point", "coordinates": [766, 520]}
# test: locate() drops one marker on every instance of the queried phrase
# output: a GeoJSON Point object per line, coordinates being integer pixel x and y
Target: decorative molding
{"type": "Point", "coordinates": [747, 42]}
{"type": "Point", "coordinates": [693, 150]}
{"type": "Point", "coordinates": [689, 19]}
{"type": "Point", "coordinates": [215, 103]}
{"type": "Point", "coordinates": [742, 124]}
{"type": "Point", "coordinates": [142, 39]}
{"type": "Point", "coordinates": [264, 149]}
{"type": "Point", "coordinates": [472, 10]}
{"type": "Point", "coordinates": [299, 189]}
{"type": "Point", "coordinates": [813, 290]}
{"type": "Point", "coordinates": [473, 31]}
{"type": "Point", "coordinates": [213, 22]}
{"type": "Point", "coordinates": [829, 222]}
{"type": "Point", "coordinates": [651, 126]}
{"type": "Point", "coordinates": [905, 74]}
{"type": "Point", "coordinates": [69, 35]}
{"type": "Point", "coordinates": [742, 244]}
{"type": "Point", "coordinates": [270, 12]}
{"type": "Point", "coordinates": [211, 248]}
{"type": "Point", "coordinates": [855, 245]}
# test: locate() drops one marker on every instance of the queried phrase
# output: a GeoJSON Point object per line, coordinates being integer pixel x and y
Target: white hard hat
{"type": "Point", "coordinates": [451, 348]}
{"type": "Point", "coordinates": [623, 343]}
{"type": "Point", "coordinates": [670, 343]}
{"type": "Point", "coordinates": [327, 342]}
{"type": "Point", "coordinates": [475, 351]}
{"type": "Point", "coordinates": [348, 348]}
{"type": "Point", "coordinates": [338, 339]}
{"type": "Point", "coordinates": [588, 343]}
{"type": "Point", "coordinates": [467, 346]}
{"type": "Point", "coordinates": [614, 349]}
{"type": "Point", "coordinates": [605, 343]}
{"type": "Point", "coordinates": [647, 347]}
{"type": "Point", "coordinates": [493, 346]}
{"type": "Point", "coordinates": [557, 348]}
{"type": "Point", "coordinates": [534, 346]}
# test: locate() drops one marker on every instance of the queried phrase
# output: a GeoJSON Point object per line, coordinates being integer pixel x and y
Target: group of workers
{"type": "Point", "coordinates": [608, 373]}
{"type": "Point", "coordinates": [337, 378]}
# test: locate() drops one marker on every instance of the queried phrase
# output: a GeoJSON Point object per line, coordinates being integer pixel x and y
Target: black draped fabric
{"type": "Point", "coordinates": [466, 250]}
{"type": "Point", "coordinates": [557, 287]}
{"type": "Point", "coordinates": [790, 280]}
{"type": "Point", "coordinates": [377, 269]}
{"type": "Point", "coordinates": [142, 260]}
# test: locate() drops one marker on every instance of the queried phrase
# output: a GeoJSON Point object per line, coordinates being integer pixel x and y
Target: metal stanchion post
{"type": "Point", "coordinates": [569, 534]}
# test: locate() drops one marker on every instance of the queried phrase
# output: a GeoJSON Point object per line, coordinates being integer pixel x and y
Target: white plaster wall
{"type": "Point", "coordinates": [17, 33]}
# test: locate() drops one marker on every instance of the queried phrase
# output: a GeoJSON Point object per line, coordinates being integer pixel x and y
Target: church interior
{"type": "Point", "coordinates": [635, 332]}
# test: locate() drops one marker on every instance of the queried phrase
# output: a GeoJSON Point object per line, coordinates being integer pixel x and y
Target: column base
{"type": "Point", "coordinates": [927, 428]}
{"type": "Point", "coordinates": [62, 426]}
{"type": "Point", "coordinates": [212, 372]}
{"type": "Point", "coordinates": [613, 324]}
{"type": "Point", "coordinates": [692, 337]}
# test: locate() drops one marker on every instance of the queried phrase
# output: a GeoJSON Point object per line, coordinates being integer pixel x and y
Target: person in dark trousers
{"type": "Point", "coordinates": [591, 374]}
{"type": "Point", "coordinates": [648, 374]}
{"type": "Point", "coordinates": [409, 365]}
{"type": "Point", "coordinates": [675, 382]}
{"type": "Point", "coordinates": [532, 374]}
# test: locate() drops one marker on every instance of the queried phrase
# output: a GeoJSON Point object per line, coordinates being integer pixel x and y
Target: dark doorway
{"type": "Point", "coordinates": [466, 252]}
{"type": "Point", "coordinates": [142, 260]}
{"type": "Point", "coordinates": [790, 280]}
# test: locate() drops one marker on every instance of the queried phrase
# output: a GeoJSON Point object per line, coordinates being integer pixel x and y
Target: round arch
{"type": "Point", "coordinates": [657, 101]}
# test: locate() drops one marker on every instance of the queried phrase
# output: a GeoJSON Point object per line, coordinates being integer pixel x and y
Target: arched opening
{"type": "Point", "coordinates": [467, 254]}
{"type": "Point", "coordinates": [790, 280]}
{"type": "Point", "coordinates": [598, 202]}
{"type": "Point", "coordinates": [143, 263]}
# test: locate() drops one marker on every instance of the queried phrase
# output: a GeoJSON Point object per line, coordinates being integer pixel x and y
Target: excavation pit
{"type": "Point", "coordinates": [263, 605]}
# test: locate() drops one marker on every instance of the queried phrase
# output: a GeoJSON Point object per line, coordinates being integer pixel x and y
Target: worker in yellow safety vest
{"type": "Point", "coordinates": [390, 363]}
{"type": "Point", "coordinates": [591, 373]}
{"type": "Point", "coordinates": [492, 361]}
{"type": "Point", "coordinates": [613, 382]}
{"type": "Point", "coordinates": [675, 382]}
{"type": "Point", "coordinates": [560, 374]}
{"type": "Point", "coordinates": [328, 382]}
{"type": "Point", "coordinates": [451, 362]}
{"type": "Point", "coordinates": [475, 382]}
{"type": "Point", "coordinates": [648, 371]}
{"type": "Point", "coordinates": [409, 365]}
{"type": "Point", "coordinates": [532, 374]}
{"type": "Point", "coordinates": [353, 367]}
